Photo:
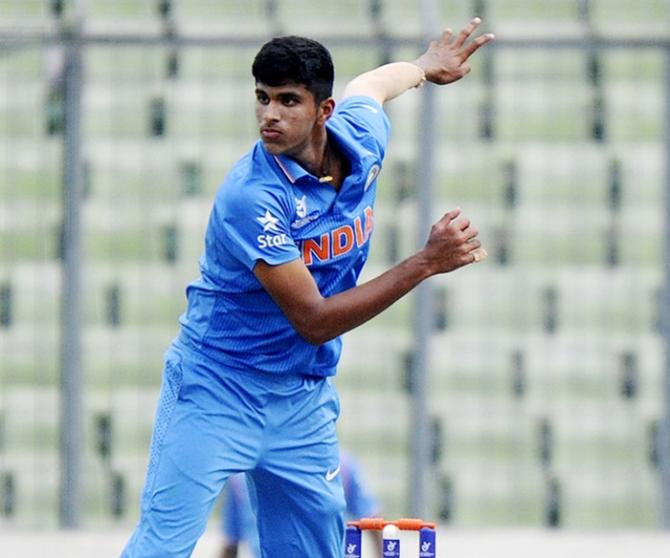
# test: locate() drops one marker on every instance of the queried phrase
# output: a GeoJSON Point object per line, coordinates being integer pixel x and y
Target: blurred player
{"type": "Point", "coordinates": [246, 383]}
{"type": "Point", "coordinates": [238, 521]}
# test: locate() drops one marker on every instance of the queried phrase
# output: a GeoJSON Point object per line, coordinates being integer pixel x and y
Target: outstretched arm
{"type": "Point", "coordinates": [445, 61]}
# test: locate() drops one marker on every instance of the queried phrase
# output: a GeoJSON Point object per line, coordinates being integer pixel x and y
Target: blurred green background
{"type": "Point", "coordinates": [546, 362]}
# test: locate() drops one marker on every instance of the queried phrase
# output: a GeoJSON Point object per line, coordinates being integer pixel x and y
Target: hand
{"type": "Point", "coordinates": [444, 61]}
{"type": "Point", "coordinates": [452, 244]}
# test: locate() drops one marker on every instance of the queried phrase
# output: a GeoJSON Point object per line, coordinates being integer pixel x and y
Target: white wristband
{"type": "Point", "coordinates": [422, 80]}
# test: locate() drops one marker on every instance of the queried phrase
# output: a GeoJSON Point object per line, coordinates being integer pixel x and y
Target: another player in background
{"type": "Point", "coordinates": [246, 384]}
{"type": "Point", "coordinates": [238, 521]}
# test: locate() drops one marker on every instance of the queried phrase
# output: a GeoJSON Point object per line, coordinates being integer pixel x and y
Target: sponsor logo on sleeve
{"type": "Point", "coordinates": [270, 223]}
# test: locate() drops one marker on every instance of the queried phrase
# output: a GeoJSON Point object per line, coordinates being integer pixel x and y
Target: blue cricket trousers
{"type": "Point", "coordinates": [211, 424]}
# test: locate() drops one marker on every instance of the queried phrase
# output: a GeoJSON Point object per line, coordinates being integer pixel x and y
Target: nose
{"type": "Point", "coordinates": [269, 113]}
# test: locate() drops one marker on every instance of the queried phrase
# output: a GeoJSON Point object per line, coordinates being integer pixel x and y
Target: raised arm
{"type": "Point", "coordinates": [445, 61]}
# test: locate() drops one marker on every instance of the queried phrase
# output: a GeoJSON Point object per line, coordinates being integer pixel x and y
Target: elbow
{"type": "Point", "coordinates": [315, 340]}
{"type": "Point", "coordinates": [314, 334]}
{"type": "Point", "coordinates": [313, 328]}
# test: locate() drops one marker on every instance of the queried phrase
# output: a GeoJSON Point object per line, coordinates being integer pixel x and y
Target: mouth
{"type": "Point", "coordinates": [270, 133]}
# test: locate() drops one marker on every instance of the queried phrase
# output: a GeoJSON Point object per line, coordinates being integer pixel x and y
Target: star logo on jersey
{"type": "Point", "coordinates": [268, 221]}
{"type": "Point", "coordinates": [301, 206]}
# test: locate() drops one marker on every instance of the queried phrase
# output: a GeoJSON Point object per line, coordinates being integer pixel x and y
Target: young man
{"type": "Point", "coordinates": [246, 383]}
{"type": "Point", "coordinates": [238, 521]}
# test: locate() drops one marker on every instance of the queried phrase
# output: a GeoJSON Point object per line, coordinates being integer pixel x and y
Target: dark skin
{"type": "Point", "coordinates": [319, 319]}
{"type": "Point", "coordinates": [446, 61]}
{"type": "Point", "coordinates": [292, 123]}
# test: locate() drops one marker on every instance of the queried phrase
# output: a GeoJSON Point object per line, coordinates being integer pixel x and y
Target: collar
{"type": "Point", "coordinates": [295, 173]}
{"type": "Point", "coordinates": [291, 168]}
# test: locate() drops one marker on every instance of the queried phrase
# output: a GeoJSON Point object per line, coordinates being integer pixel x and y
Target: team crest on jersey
{"type": "Point", "coordinates": [372, 175]}
{"type": "Point", "coordinates": [301, 212]}
{"type": "Point", "coordinates": [301, 206]}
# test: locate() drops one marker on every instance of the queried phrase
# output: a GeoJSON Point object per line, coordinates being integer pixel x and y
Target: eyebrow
{"type": "Point", "coordinates": [292, 93]}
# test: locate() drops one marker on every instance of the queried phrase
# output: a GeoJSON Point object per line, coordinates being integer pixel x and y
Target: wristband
{"type": "Point", "coordinates": [423, 78]}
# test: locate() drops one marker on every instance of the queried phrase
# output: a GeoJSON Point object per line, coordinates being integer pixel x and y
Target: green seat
{"type": "Point", "coordinates": [233, 18]}
{"type": "Point", "coordinates": [123, 16]}
{"type": "Point", "coordinates": [621, 18]}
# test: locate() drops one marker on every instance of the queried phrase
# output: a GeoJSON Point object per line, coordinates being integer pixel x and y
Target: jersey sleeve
{"type": "Point", "coordinates": [367, 121]}
{"type": "Point", "coordinates": [255, 222]}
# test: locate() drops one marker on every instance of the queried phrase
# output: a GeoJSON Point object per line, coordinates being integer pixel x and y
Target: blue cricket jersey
{"type": "Point", "coordinates": [269, 208]}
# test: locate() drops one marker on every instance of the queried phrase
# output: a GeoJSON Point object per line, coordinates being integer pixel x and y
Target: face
{"type": "Point", "coordinates": [288, 117]}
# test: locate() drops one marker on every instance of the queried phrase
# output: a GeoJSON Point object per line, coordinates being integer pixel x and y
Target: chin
{"type": "Point", "coordinates": [273, 148]}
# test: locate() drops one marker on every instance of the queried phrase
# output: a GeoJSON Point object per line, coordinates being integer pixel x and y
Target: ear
{"type": "Point", "coordinates": [326, 109]}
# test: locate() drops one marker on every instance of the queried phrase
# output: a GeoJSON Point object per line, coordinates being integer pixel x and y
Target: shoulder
{"type": "Point", "coordinates": [363, 119]}
{"type": "Point", "coordinates": [359, 109]}
{"type": "Point", "coordinates": [356, 103]}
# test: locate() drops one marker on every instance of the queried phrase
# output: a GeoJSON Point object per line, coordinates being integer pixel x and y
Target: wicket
{"type": "Point", "coordinates": [403, 538]}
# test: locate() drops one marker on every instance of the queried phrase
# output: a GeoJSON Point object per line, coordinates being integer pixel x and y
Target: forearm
{"type": "Point", "coordinates": [386, 82]}
{"type": "Point", "coordinates": [337, 314]}
{"type": "Point", "coordinates": [452, 244]}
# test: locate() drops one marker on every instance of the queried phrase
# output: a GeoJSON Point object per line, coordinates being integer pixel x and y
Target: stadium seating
{"type": "Point", "coordinates": [545, 363]}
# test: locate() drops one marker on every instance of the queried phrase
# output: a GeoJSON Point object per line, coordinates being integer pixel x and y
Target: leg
{"type": "Point", "coordinates": [298, 491]}
{"type": "Point", "coordinates": [192, 454]}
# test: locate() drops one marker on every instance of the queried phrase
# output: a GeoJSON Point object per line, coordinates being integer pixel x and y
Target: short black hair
{"type": "Point", "coordinates": [295, 59]}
